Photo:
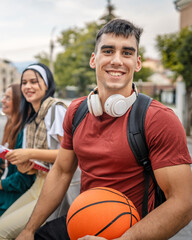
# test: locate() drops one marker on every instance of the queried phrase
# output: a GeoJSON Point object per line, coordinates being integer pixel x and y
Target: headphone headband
{"type": "Point", "coordinates": [116, 105]}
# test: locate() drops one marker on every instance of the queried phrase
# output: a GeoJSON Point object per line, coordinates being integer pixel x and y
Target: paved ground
{"type": "Point", "coordinates": [184, 234]}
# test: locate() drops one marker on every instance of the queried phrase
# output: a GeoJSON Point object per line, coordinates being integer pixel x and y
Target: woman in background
{"type": "Point", "coordinates": [12, 183]}
{"type": "Point", "coordinates": [42, 119]}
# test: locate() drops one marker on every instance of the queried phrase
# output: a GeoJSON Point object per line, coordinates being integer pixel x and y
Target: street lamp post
{"type": "Point", "coordinates": [51, 62]}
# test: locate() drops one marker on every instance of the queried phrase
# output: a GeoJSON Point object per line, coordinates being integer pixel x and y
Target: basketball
{"type": "Point", "coordinates": [102, 212]}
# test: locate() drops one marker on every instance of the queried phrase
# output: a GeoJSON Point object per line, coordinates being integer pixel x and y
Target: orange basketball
{"type": "Point", "coordinates": [102, 212]}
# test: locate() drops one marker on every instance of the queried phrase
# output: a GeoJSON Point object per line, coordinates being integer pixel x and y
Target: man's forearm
{"type": "Point", "coordinates": [162, 223]}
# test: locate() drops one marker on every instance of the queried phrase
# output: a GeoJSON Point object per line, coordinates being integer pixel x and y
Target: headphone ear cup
{"type": "Point", "coordinates": [89, 103]}
{"type": "Point", "coordinates": [95, 105]}
{"type": "Point", "coordinates": [116, 105]}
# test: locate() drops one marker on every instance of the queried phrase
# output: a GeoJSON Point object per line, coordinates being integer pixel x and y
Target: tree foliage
{"type": "Point", "coordinates": [185, 59]}
{"type": "Point", "coordinates": [43, 57]}
{"type": "Point", "coordinates": [145, 72]}
{"type": "Point", "coordinates": [71, 66]}
{"type": "Point", "coordinates": [109, 14]}
{"type": "Point", "coordinates": [176, 52]}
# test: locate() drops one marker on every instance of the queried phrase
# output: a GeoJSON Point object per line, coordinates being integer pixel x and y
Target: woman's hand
{"type": "Point", "coordinates": [18, 156]}
{"type": "Point", "coordinates": [26, 167]}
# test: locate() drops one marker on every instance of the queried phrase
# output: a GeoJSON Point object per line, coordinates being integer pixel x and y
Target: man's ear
{"type": "Point", "coordinates": [92, 61]}
{"type": "Point", "coordinates": [139, 65]}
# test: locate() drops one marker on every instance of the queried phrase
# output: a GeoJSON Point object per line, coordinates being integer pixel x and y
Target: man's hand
{"type": "Point", "coordinates": [89, 237]}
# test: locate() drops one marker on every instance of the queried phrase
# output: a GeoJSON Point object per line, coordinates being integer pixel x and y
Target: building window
{"type": "Point", "coordinates": [4, 84]}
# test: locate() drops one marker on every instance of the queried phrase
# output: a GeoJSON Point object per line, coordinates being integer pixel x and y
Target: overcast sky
{"type": "Point", "coordinates": [26, 26]}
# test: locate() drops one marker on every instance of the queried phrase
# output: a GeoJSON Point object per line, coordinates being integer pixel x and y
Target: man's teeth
{"type": "Point", "coordinates": [115, 73]}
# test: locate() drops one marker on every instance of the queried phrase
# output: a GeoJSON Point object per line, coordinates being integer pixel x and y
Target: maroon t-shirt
{"type": "Point", "coordinates": [104, 155]}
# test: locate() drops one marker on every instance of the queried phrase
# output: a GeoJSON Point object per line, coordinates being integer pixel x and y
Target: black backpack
{"type": "Point", "coordinates": [137, 142]}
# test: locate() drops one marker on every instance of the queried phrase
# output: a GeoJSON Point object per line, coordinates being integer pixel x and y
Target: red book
{"type": "Point", "coordinates": [3, 151]}
{"type": "Point", "coordinates": [40, 166]}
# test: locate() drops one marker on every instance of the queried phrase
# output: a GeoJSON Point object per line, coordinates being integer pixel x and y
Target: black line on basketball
{"type": "Point", "coordinates": [115, 219]}
{"type": "Point", "coordinates": [130, 209]}
{"type": "Point", "coordinates": [124, 196]}
{"type": "Point", "coordinates": [107, 190]}
{"type": "Point", "coordinates": [108, 201]}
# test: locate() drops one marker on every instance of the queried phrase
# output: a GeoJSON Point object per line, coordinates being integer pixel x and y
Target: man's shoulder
{"type": "Point", "coordinates": [157, 106]}
{"type": "Point", "coordinates": [75, 104]}
{"type": "Point", "coordinates": [160, 113]}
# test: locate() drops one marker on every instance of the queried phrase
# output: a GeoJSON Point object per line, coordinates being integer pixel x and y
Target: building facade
{"type": "Point", "coordinates": [185, 9]}
{"type": "Point", "coordinates": [159, 84]}
{"type": "Point", "coordinates": [8, 74]}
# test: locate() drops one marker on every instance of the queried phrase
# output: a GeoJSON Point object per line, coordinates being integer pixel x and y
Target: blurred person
{"type": "Point", "coordinates": [12, 183]}
{"type": "Point", "coordinates": [41, 132]}
{"type": "Point", "coordinates": [99, 146]}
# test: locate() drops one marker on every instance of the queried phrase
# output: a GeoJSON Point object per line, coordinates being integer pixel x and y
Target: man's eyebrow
{"type": "Point", "coordinates": [107, 46]}
{"type": "Point", "coordinates": [112, 47]}
{"type": "Point", "coordinates": [130, 49]}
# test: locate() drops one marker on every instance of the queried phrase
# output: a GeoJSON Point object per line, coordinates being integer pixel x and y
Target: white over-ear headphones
{"type": "Point", "coordinates": [116, 105]}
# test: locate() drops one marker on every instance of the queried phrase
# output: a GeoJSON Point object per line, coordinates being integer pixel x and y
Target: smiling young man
{"type": "Point", "coordinates": [99, 146]}
{"type": "Point", "coordinates": [115, 60]}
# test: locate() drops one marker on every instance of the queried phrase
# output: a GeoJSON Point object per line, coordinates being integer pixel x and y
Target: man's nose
{"type": "Point", "coordinates": [116, 59]}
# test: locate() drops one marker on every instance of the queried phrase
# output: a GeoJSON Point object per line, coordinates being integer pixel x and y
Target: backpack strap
{"type": "Point", "coordinates": [136, 129]}
{"type": "Point", "coordinates": [79, 115]}
{"type": "Point", "coordinates": [137, 141]}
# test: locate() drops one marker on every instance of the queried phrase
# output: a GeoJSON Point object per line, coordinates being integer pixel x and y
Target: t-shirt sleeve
{"type": "Point", "coordinates": [67, 126]}
{"type": "Point", "coordinates": [166, 139]}
{"type": "Point", "coordinates": [67, 141]}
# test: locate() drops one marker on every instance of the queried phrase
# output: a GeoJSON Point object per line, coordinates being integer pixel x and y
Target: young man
{"type": "Point", "coordinates": [104, 156]}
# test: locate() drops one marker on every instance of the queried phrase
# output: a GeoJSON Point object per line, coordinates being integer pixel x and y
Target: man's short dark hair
{"type": "Point", "coordinates": [119, 27]}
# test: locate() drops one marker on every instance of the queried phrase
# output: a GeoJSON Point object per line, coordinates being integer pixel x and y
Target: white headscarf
{"type": "Point", "coordinates": [41, 71]}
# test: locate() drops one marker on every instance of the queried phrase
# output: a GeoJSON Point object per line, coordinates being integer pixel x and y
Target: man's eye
{"type": "Point", "coordinates": [108, 51]}
{"type": "Point", "coordinates": [127, 53]}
